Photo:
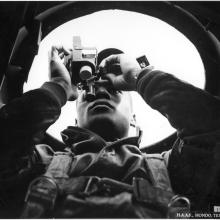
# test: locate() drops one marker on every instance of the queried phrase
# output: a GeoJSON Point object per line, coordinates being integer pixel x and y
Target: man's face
{"type": "Point", "coordinates": [108, 114]}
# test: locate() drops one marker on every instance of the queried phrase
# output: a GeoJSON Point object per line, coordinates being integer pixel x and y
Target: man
{"type": "Point", "coordinates": [100, 172]}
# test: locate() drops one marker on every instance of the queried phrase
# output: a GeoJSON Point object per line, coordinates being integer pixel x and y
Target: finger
{"type": "Point", "coordinates": [53, 53]}
{"type": "Point", "coordinates": [112, 59]}
{"type": "Point", "coordinates": [66, 50]}
{"type": "Point", "coordinates": [110, 64]}
{"type": "Point", "coordinates": [101, 71]}
{"type": "Point", "coordinates": [110, 77]}
{"type": "Point", "coordinates": [58, 53]}
{"type": "Point", "coordinates": [61, 48]}
{"type": "Point", "coordinates": [67, 62]}
{"type": "Point", "coordinates": [74, 94]}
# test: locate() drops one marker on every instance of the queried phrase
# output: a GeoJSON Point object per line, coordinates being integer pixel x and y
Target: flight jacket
{"type": "Point", "coordinates": [192, 163]}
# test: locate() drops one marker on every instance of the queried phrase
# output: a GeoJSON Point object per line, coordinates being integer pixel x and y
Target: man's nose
{"type": "Point", "coordinates": [102, 93]}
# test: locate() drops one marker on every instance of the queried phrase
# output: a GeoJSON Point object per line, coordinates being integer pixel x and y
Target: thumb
{"type": "Point", "coordinates": [110, 60]}
{"type": "Point", "coordinates": [110, 77]}
{"type": "Point", "coordinates": [74, 93]}
{"type": "Point", "coordinates": [53, 54]}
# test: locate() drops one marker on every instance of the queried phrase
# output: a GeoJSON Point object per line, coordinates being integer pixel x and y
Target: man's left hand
{"type": "Point", "coordinates": [126, 79]}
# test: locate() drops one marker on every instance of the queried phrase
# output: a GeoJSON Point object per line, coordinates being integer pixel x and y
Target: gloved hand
{"type": "Point", "coordinates": [124, 80]}
{"type": "Point", "coordinates": [59, 73]}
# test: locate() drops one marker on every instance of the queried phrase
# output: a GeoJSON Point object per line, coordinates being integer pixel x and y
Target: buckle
{"type": "Point", "coordinates": [178, 204]}
{"type": "Point", "coordinates": [145, 192]}
{"type": "Point", "coordinates": [42, 189]}
{"type": "Point", "coordinates": [92, 186]}
{"type": "Point", "coordinates": [105, 186]}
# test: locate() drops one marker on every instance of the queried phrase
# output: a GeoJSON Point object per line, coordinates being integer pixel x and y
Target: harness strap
{"type": "Point", "coordinates": [60, 165]}
{"type": "Point", "coordinates": [145, 192]}
{"type": "Point", "coordinates": [161, 192]}
{"type": "Point", "coordinates": [43, 191]}
{"type": "Point", "coordinates": [158, 171]}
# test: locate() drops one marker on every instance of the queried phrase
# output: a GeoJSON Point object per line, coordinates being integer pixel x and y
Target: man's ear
{"type": "Point", "coordinates": [133, 121]}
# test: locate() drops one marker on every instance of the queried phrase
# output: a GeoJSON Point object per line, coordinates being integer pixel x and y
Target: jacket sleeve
{"type": "Point", "coordinates": [27, 117]}
{"type": "Point", "coordinates": [189, 109]}
{"type": "Point", "coordinates": [193, 162]}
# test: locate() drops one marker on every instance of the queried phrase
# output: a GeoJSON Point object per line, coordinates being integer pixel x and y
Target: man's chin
{"type": "Point", "coordinates": [101, 117]}
{"type": "Point", "coordinates": [105, 126]}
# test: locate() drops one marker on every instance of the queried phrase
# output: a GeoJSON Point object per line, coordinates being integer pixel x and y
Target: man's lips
{"type": "Point", "coordinates": [101, 104]}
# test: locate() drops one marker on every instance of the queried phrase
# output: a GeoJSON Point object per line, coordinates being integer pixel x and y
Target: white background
{"type": "Point", "coordinates": [135, 34]}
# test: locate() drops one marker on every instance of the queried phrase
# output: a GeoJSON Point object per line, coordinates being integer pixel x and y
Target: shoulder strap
{"type": "Point", "coordinates": [60, 165]}
{"type": "Point", "coordinates": [158, 171]}
{"type": "Point", "coordinates": [43, 191]}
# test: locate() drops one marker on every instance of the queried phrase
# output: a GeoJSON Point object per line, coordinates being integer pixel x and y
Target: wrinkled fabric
{"type": "Point", "coordinates": [115, 164]}
{"type": "Point", "coordinates": [121, 160]}
{"type": "Point", "coordinates": [118, 206]}
{"type": "Point", "coordinates": [193, 163]}
{"type": "Point", "coordinates": [190, 110]}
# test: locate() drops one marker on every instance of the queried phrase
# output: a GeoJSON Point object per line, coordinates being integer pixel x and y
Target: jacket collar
{"type": "Point", "coordinates": [81, 140]}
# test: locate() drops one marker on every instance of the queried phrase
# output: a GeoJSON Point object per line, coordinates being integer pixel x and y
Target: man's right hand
{"type": "Point", "coordinates": [59, 73]}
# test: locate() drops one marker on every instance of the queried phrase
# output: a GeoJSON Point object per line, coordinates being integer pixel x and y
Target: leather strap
{"type": "Point", "coordinates": [43, 191]}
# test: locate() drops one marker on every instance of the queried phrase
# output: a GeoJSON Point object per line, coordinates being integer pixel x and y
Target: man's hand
{"type": "Point", "coordinates": [126, 80]}
{"type": "Point", "coordinates": [59, 73]}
